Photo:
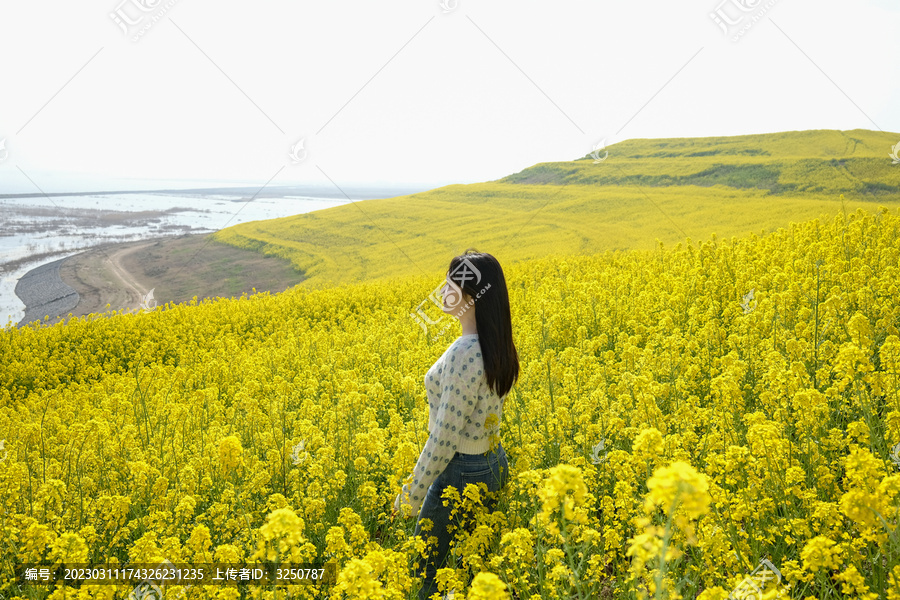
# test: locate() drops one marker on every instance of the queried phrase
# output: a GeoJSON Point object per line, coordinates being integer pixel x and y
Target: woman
{"type": "Point", "coordinates": [466, 388]}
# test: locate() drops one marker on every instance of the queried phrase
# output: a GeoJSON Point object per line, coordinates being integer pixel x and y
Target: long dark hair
{"type": "Point", "coordinates": [492, 315]}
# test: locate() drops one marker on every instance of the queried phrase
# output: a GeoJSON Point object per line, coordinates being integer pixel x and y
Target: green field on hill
{"type": "Point", "coordinates": [645, 190]}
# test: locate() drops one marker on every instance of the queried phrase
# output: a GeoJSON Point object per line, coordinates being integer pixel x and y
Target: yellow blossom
{"type": "Point", "coordinates": [487, 586]}
{"type": "Point", "coordinates": [230, 452]}
{"type": "Point", "coordinates": [678, 484]}
{"type": "Point", "coordinates": [820, 553]}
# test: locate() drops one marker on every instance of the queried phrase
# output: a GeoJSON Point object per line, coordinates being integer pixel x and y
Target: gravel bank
{"type": "Point", "coordinates": [44, 293]}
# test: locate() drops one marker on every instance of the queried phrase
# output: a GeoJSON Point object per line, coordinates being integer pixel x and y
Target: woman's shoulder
{"type": "Point", "coordinates": [465, 346]}
{"type": "Point", "coordinates": [466, 342]}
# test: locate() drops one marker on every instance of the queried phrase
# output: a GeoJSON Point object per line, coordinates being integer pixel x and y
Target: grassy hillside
{"type": "Point", "coordinates": [646, 190]}
{"type": "Point", "coordinates": [855, 163]}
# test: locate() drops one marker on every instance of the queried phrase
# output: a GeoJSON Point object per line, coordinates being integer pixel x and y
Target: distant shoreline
{"type": "Point", "coordinates": [277, 191]}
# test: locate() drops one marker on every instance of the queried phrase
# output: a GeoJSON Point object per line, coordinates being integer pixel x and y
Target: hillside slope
{"type": "Point", "coordinates": [645, 190]}
{"type": "Point", "coordinates": [850, 162]}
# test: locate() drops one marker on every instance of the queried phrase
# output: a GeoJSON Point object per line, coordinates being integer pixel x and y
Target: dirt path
{"type": "Point", "coordinates": [114, 263]}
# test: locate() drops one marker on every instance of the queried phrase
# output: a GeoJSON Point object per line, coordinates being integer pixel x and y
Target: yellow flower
{"type": "Point", "coordinates": [852, 581]}
{"type": "Point", "coordinates": [643, 548]}
{"type": "Point", "coordinates": [447, 580]}
{"type": "Point", "coordinates": [820, 553]}
{"type": "Point", "coordinates": [69, 548]}
{"type": "Point", "coordinates": [227, 553]}
{"type": "Point", "coordinates": [863, 469]}
{"type": "Point", "coordinates": [678, 484]}
{"type": "Point", "coordinates": [648, 444]}
{"type": "Point", "coordinates": [281, 538]}
{"type": "Point", "coordinates": [894, 587]}
{"type": "Point", "coordinates": [35, 540]}
{"type": "Point", "coordinates": [199, 544]}
{"type": "Point", "coordinates": [713, 593]}
{"type": "Point", "coordinates": [562, 494]}
{"type": "Point", "coordinates": [492, 426]}
{"type": "Point", "coordinates": [518, 545]}
{"type": "Point", "coordinates": [356, 581]}
{"type": "Point", "coordinates": [487, 586]}
{"type": "Point", "coordinates": [230, 452]}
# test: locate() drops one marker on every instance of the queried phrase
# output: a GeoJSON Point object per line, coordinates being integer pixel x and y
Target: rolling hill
{"type": "Point", "coordinates": [646, 190]}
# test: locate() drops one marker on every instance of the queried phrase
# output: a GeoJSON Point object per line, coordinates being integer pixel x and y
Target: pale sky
{"type": "Point", "coordinates": [414, 93]}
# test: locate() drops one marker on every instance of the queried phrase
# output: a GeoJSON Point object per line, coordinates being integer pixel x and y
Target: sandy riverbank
{"type": "Point", "coordinates": [121, 275]}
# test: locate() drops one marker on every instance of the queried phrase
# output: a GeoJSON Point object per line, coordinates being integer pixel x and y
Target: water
{"type": "Point", "coordinates": [38, 230]}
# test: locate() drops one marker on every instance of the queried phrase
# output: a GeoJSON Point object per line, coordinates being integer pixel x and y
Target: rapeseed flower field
{"type": "Point", "coordinates": [701, 420]}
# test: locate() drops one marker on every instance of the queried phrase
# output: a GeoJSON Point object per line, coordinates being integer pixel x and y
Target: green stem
{"type": "Point", "coordinates": [661, 571]}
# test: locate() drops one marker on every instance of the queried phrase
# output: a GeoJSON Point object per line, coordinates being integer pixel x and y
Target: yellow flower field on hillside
{"type": "Point", "coordinates": [696, 421]}
{"type": "Point", "coordinates": [642, 191]}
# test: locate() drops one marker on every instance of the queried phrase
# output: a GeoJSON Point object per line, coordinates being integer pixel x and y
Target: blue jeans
{"type": "Point", "coordinates": [491, 468]}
